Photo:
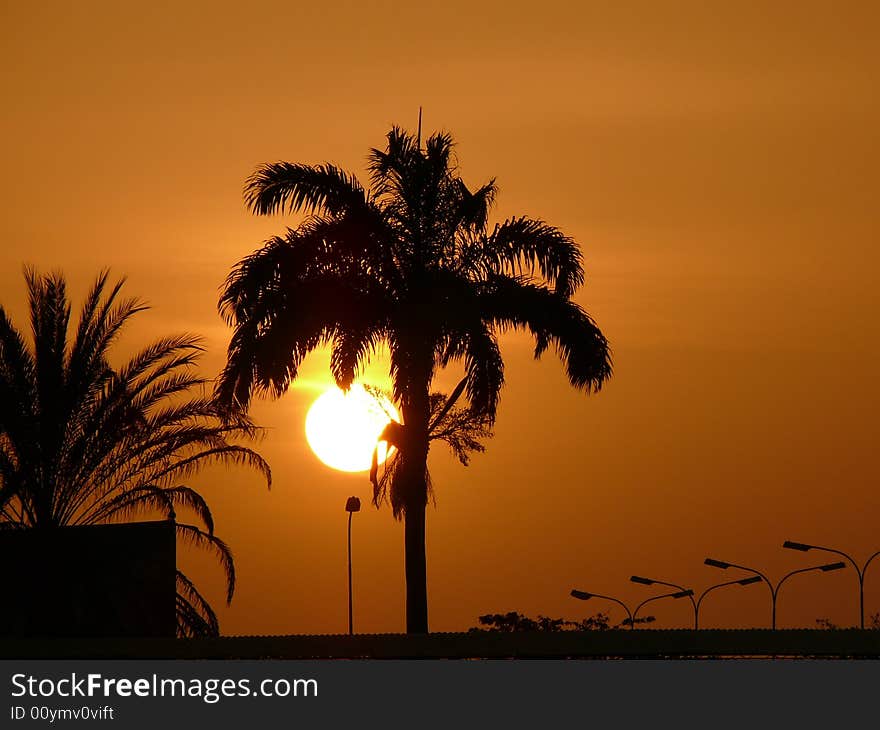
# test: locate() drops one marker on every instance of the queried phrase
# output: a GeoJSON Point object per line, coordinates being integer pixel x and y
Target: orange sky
{"type": "Point", "coordinates": [718, 166]}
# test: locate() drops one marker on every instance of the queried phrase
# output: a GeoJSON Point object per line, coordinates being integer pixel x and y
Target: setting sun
{"type": "Point", "coordinates": [342, 428]}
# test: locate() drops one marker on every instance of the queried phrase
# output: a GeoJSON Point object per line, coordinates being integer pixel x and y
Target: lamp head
{"type": "Point", "coordinates": [683, 594]}
{"type": "Point", "coordinates": [582, 595]}
{"type": "Point", "coordinates": [803, 547]}
{"type": "Point", "coordinates": [640, 579]}
{"type": "Point", "coordinates": [353, 504]}
{"type": "Point", "coordinates": [716, 563]}
{"type": "Point", "coordinates": [831, 566]}
{"type": "Point", "coordinates": [750, 580]}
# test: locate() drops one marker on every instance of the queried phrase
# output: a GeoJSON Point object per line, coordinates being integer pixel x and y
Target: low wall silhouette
{"type": "Point", "coordinates": [473, 645]}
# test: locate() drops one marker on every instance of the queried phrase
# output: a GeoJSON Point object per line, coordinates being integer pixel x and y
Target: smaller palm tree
{"type": "Point", "coordinates": [83, 442]}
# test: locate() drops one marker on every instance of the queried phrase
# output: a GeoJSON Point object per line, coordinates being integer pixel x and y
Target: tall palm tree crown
{"type": "Point", "coordinates": [83, 442]}
{"type": "Point", "coordinates": [411, 263]}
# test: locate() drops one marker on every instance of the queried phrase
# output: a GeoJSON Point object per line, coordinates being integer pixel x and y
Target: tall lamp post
{"type": "Point", "coordinates": [744, 582]}
{"type": "Point", "coordinates": [584, 596]}
{"type": "Point", "coordinates": [651, 581]}
{"type": "Point", "coordinates": [774, 590]}
{"type": "Point", "coordinates": [860, 572]}
{"type": "Point", "coordinates": [352, 505]}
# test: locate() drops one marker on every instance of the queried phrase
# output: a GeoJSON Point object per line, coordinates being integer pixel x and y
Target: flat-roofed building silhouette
{"type": "Point", "coordinates": [114, 580]}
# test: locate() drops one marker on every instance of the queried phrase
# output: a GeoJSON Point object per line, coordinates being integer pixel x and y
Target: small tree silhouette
{"type": "Point", "coordinates": [515, 621]}
{"type": "Point", "coordinates": [825, 623]}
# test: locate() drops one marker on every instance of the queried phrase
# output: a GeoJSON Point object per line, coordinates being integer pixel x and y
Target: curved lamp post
{"type": "Point", "coordinates": [651, 581]}
{"type": "Point", "coordinates": [584, 596]}
{"type": "Point", "coordinates": [744, 582]}
{"type": "Point", "coordinates": [774, 590]}
{"type": "Point", "coordinates": [678, 594]}
{"type": "Point", "coordinates": [860, 572]}
{"type": "Point", "coordinates": [352, 505]}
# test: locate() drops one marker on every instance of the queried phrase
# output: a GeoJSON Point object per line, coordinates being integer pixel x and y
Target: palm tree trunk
{"type": "Point", "coordinates": [415, 489]}
{"type": "Point", "coordinates": [416, 574]}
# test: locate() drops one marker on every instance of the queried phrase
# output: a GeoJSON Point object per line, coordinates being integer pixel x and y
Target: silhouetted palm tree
{"type": "Point", "coordinates": [83, 442]}
{"type": "Point", "coordinates": [412, 263]}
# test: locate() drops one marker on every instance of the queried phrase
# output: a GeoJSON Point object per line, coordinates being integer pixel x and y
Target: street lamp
{"type": "Point", "coordinates": [584, 596]}
{"type": "Point", "coordinates": [678, 594]}
{"type": "Point", "coordinates": [774, 590]}
{"type": "Point", "coordinates": [352, 505]}
{"type": "Point", "coordinates": [860, 572]}
{"type": "Point", "coordinates": [652, 581]}
{"type": "Point", "coordinates": [743, 582]}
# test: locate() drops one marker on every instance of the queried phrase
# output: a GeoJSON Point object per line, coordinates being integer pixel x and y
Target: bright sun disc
{"type": "Point", "coordinates": [342, 428]}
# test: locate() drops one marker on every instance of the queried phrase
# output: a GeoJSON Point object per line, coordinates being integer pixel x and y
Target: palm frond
{"type": "Point", "coordinates": [352, 348]}
{"type": "Point", "coordinates": [18, 390]}
{"type": "Point", "coordinates": [552, 319]}
{"type": "Point", "coordinates": [473, 207]}
{"type": "Point", "coordinates": [288, 188]}
{"type": "Point", "coordinates": [193, 535]}
{"type": "Point", "coordinates": [195, 617]}
{"type": "Point", "coordinates": [389, 166]}
{"type": "Point", "coordinates": [463, 429]}
{"type": "Point", "coordinates": [525, 246]}
{"type": "Point", "coordinates": [273, 338]}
